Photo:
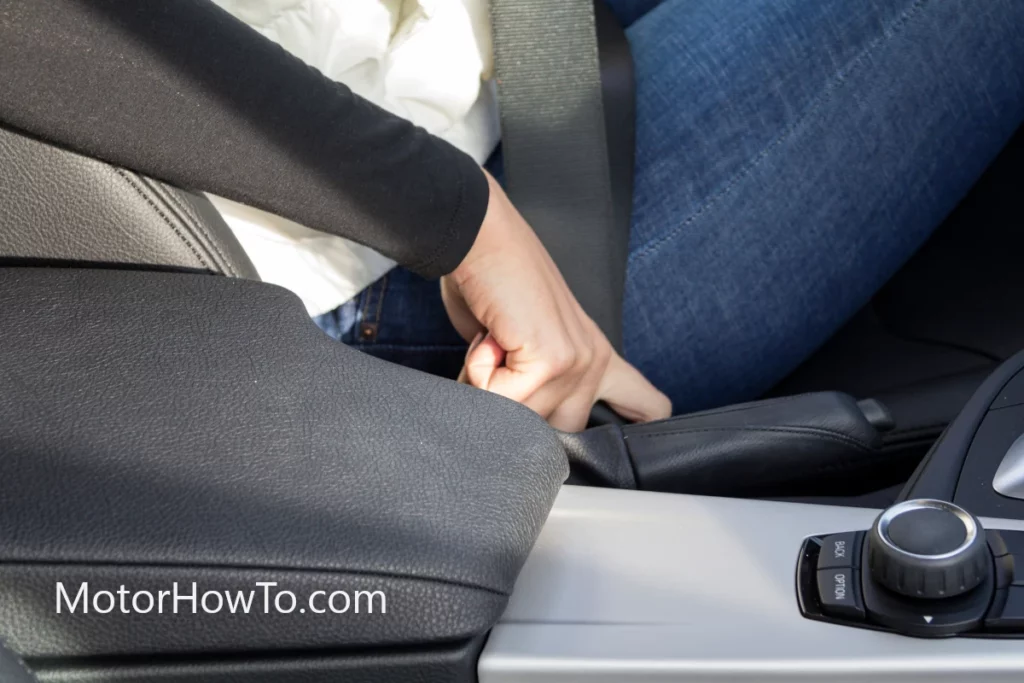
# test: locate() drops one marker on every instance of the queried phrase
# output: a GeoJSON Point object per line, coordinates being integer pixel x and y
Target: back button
{"type": "Point", "coordinates": [840, 550]}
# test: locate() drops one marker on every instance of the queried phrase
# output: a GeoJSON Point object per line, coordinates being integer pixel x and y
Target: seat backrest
{"type": "Point", "coordinates": [61, 206]}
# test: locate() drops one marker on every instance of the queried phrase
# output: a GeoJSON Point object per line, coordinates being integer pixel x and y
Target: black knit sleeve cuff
{"type": "Point", "coordinates": [456, 238]}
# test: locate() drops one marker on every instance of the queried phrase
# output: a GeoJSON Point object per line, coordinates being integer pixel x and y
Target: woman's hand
{"type": "Point", "coordinates": [531, 341]}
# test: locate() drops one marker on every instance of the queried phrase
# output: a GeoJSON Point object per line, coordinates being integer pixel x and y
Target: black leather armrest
{"type": "Point", "coordinates": [163, 427]}
{"type": "Point", "coordinates": [765, 448]}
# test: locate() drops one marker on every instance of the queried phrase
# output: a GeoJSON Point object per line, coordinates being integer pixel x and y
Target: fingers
{"type": "Point", "coordinates": [573, 413]}
{"type": "Point", "coordinates": [562, 386]}
{"type": "Point", "coordinates": [484, 358]}
{"type": "Point", "coordinates": [551, 384]}
{"type": "Point", "coordinates": [614, 381]}
{"type": "Point", "coordinates": [540, 348]}
{"type": "Point", "coordinates": [631, 395]}
{"type": "Point", "coordinates": [463, 377]}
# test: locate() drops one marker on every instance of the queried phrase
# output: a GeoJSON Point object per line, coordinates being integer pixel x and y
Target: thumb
{"type": "Point", "coordinates": [630, 394]}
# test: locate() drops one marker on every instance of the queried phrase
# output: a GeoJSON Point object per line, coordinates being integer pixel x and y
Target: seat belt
{"type": "Point", "coordinates": [555, 149]}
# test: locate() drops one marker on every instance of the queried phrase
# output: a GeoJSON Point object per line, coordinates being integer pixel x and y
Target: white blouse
{"type": "Point", "coordinates": [428, 61]}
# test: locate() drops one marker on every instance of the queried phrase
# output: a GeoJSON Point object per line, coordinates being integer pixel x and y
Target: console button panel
{"type": "Point", "coordinates": [834, 586]}
{"type": "Point", "coordinates": [839, 592]}
{"type": "Point", "coordinates": [840, 550]}
{"type": "Point", "coordinates": [1007, 613]}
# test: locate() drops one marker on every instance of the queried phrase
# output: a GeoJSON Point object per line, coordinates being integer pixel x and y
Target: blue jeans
{"type": "Point", "coordinates": [791, 156]}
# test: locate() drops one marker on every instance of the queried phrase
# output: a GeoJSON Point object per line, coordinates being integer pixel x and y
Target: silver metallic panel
{"type": "Point", "coordinates": [637, 587]}
{"type": "Point", "coordinates": [1009, 479]}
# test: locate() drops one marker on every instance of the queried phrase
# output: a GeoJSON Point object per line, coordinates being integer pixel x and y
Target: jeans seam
{"type": "Point", "coordinates": [837, 79]}
{"type": "Point", "coordinates": [826, 434]}
{"type": "Point", "coordinates": [367, 293]}
{"type": "Point", "coordinates": [380, 299]}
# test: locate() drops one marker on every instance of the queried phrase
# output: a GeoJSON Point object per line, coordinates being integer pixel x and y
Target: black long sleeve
{"type": "Point", "coordinates": [182, 91]}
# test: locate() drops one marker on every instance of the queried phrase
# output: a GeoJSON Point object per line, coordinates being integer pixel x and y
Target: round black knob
{"type": "Point", "coordinates": [928, 549]}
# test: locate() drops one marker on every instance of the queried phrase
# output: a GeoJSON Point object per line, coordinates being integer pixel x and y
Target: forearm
{"type": "Point", "coordinates": [183, 92]}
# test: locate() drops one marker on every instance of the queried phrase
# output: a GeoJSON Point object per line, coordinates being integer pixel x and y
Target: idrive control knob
{"type": "Point", "coordinates": [928, 549]}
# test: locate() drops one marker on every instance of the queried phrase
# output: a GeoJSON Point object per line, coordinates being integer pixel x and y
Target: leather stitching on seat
{"type": "Point", "coordinates": [197, 226]}
{"type": "Point", "coordinates": [733, 409]}
{"type": "Point", "coordinates": [139, 190]}
{"type": "Point", "coordinates": [823, 433]}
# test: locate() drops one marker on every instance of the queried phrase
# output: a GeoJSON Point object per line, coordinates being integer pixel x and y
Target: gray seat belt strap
{"type": "Point", "coordinates": [554, 147]}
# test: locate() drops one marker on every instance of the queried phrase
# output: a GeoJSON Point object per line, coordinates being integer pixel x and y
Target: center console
{"type": "Point", "coordinates": [634, 587]}
{"type": "Point", "coordinates": [639, 586]}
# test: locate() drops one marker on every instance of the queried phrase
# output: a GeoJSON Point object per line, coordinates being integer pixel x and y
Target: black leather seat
{"type": "Point", "coordinates": [71, 208]}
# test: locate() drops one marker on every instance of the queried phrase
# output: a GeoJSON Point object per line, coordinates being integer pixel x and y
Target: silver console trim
{"type": "Point", "coordinates": [1009, 479]}
{"type": "Point", "coordinates": [637, 587]}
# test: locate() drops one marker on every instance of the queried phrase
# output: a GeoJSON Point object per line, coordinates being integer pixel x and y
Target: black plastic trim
{"type": "Point", "coordinates": [456, 663]}
{"type": "Point", "coordinates": [999, 429]}
{"type": "Point", "coordinates": [939, 473]}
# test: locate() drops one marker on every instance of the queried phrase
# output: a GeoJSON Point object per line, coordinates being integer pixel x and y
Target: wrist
{"type": "Point", "coordinates": [485, 240]}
